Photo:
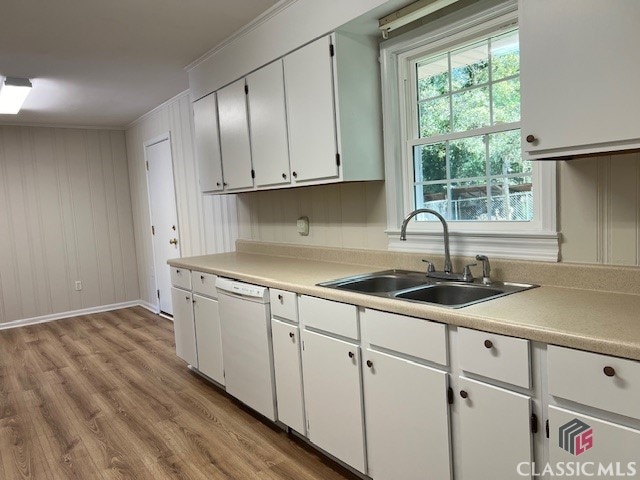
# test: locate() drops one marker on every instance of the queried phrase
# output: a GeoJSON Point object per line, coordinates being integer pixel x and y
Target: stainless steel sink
{"type": "Point", "coordinates": [417, 287]}
{"type": "Point", "coordinates": [380, 282]}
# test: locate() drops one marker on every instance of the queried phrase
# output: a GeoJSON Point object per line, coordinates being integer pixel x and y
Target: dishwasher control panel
{"type": "Point", "coordinates": [243, 289]}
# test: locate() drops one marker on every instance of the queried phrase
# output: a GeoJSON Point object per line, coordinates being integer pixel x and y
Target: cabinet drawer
{"type": "Point", "coordinates": [181, 278]}
{"type": "Point", "coordinates": [204, 284]}
{"type": "Point", "coordinates": [284, 304]}
{"type": "Point", "coordinates": [333, 317]}
{"type": "Point", "coordinates": [411, 336]}
{"type": "Point", "coordinates": [581, 377]}
{"type": "Point", "coordinates": [495, 356]}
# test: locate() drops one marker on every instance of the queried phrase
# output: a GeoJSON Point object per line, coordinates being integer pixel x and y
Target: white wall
{"type": "Point", "coordinates": [207, 224]}
{"type": "Point", "coordinates": [598, 211]}
{"type": "Point", "coordinates": [65, 213]}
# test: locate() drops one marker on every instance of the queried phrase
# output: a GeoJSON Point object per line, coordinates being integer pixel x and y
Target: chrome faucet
{"type": "Point", "coordinates": [447, 257]}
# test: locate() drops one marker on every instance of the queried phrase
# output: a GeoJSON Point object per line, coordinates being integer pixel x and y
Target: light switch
{"type": "Point", "coordinates": [303, 226]}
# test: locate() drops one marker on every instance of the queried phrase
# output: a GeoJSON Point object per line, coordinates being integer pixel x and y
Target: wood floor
{"type": "Point", "coordinates": [103, 396]}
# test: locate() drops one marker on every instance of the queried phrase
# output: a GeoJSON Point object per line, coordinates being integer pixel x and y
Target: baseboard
{"type": "Point", "coordinates": [72, 313]}
{"type": "Point", "coordinates": [149, 306]}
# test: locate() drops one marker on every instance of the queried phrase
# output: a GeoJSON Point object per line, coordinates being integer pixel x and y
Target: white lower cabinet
{"type": "Point", "coordinates": [183, 325]}
{"type": "Point", "coordinates": [208, 341]}
{"type": "Point", "coordinates": [288, 374]}
{"type": "Point", "coordinates": [495, 432]}
{"type": "Point", "coordinates": [407, 419]}
{"type": "Point", "coordinates": [333, 397]}
{"type": "Point", "coordinates": [603, 449]}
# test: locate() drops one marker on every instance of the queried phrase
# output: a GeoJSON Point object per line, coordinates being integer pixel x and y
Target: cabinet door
{"type": "Point", "coordinates": [268, 121]}
{"type": "Point", "coordinates": [308, 75]}
{"type": "Point", "coordinates": [579, 86]}
{"type": "Point", "coordinates": [288, 373]}
{"type": "Point", "coordinates": [407, 419]}
{"type": "Point", "coordinates": [333, 397]}
{"type": "Point", "coordinates": [580, 438]}
{"type": "Point", "coordinates": [495, 432]}
{"type": "Point", "coordinates": [208, 340]}
{"type": "Point", "coordinates": [234, 136]}
{"type": "Point", "coordinates": [183, 326]}
{"type": "Point", "coordinates": [207, 143]}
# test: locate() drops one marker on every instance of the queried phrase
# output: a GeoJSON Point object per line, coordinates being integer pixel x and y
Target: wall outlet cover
{"type": "Point", "coordinates": [303, 226]}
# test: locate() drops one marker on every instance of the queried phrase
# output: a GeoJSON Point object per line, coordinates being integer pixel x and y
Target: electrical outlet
{"type": "Point", "coordinates": [303, 226]}
{"type": "Point", "coordinates": [78, 285]}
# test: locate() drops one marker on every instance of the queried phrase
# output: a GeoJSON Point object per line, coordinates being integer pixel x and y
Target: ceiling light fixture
{"type": "Point", "coordinates": [13, 93]}
{"type": "Point", "coordinates": [411, 13]}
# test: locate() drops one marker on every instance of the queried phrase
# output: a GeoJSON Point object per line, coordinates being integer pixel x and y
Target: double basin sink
{"type": "Point", "coordinates": [417, 287]}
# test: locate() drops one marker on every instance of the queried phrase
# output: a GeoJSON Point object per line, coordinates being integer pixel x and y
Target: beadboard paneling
{"type": "Point", "coordinates": [207, 224]}
{"type": "Point", "coordinates": [66, 215]}
{"type": "Point", "coordinates": [350, 215]}
{"type": "Point", "coordinates": [600, 209]}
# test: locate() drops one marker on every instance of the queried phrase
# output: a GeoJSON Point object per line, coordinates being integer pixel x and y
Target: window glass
{"type": "Point", "coordinates": [466, 154]}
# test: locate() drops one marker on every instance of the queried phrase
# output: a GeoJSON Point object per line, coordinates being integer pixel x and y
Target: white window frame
{"type": "Point", "coordinates": [534, 240]}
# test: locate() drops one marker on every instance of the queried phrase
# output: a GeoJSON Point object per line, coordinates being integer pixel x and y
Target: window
{"type": "Point", "coordinates": [451, 92]}
{"type": "Point", "coordinates": [465, 141]}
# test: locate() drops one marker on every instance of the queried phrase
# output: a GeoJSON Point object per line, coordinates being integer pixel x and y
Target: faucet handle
{"type": "Point", "coordinates": [486, 269]}
{"type": "Point", "coordinates": [467, 276]}
{"type": "Point", "coordinates": [430, 266]}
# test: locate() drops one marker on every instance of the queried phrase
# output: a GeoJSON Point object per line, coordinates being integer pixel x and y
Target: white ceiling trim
{"type": "Point", "coordinates": [155, 109]}
{"type": "Point", "coordinates": [272, 12]}
{"type": "Point", "coordinates": [57, 125]}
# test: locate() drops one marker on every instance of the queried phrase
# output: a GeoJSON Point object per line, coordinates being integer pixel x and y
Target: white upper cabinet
{"type": "Point", "coordinates": [207, 143]}
{"type": "Point", "coordinates": [333, 109]}
{"type": "Point", "coordinates": [310, 107]}
{"type": "Point", "coordinates": [579, 76]}
{"type": "Point", "coordinates": [234, 136]}
{"type": "Point", "coordinates": [268, 120]}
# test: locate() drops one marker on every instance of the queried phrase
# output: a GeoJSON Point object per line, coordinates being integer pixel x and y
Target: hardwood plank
{"type": "Point", "coordinates": [104, 397]}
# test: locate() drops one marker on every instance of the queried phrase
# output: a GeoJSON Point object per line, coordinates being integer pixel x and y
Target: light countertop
{"type": "Point", "coordinates": [590, 320]}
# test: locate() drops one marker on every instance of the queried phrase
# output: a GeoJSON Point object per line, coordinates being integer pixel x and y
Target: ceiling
{"type": "Point", "coordinates": [105, 63]}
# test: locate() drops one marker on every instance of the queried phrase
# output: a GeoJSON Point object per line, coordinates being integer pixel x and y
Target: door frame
{"type": "Point", "coordinates": [148, 143]}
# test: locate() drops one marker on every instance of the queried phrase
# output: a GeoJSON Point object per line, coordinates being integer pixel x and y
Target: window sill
{"type": "Point", "coordinates": [537, 246]}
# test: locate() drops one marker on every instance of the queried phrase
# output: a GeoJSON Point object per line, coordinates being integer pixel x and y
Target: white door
{"type": "Point", "coordinates": [495, 431]}
{"type": "Point", "coordinates": [308, 78]}
{"type": "Point", "coordinates": [407, 419]}
{"type": "Point", "coordinates": [580, 438]}
{"type": "Point", "coordinates": [333, 397]}
{"type": "Point", "coordinates": [207, 143]}
{"type": "Point", "coordinates": [234, 136]}
{"type": "Point", "coordinates": [208, 337]}
{"type": "Point", "coordinates": [184, 326]}
{"type": "Point", "coordinates": [286, 363]}
{"type": "Point", "coordinates": [268, 119]}
{"type": "Point", "coordinates": [164, 216]}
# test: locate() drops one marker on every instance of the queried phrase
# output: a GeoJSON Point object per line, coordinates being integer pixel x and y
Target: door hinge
{"type": "Point", "coordinates": [253, 173]}
{"type": "Point", "coordinates": [147, 162]}
{"type": "Point", "coordinates": [534, 423]}
{"type": "Point", "coordinates": [308, 425]}
{"type": "Point", "coordinates": [338, 159]}
{"type": "Point", "coordinates": [158, 292]}
{"type": "Point", "coordinates": [303, 345]}
{"type": "Point", "coordinates": [332, 51]}
{"type": "Point", "coordinates": [450, 396]}
{"type": "Point", "coordinates": [246, 89]}
{"type": "Point", "coordinates": [546, 427]}
{"type": "Point", "coordinates": [153, 230]}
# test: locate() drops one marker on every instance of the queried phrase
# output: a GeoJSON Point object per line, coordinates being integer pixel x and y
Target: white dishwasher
{"type": "Point", "coordinates": [245, 325]}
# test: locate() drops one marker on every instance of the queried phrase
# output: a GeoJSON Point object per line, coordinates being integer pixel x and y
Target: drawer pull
{"type": "Point", "coordinates": [488, 344]}
{"type": "Point", "coordinates": [464, 394]}
{"type": "Point", "coordinates": [178, 271]}
{"type": "Point", "coordinates": [291, 334]}
{"type": "Point", "coordinates": [369, 364]}
{"type": "Point", "coordinates": [531, 138]}
{"type": "Point", "coordinates": [280, 297]}
{"type": "Point", "coordinates": [609, 371]}
{"type": "Point", "coordinates": [351, 354]}
{"type": "Point", "coordinates": [202, 277]}
{"type": "Point", "coordinates": [187, 298]}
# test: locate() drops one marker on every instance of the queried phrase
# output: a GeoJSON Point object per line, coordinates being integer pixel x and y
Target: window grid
{"type": "Point", "coordinates": [446, 138]}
